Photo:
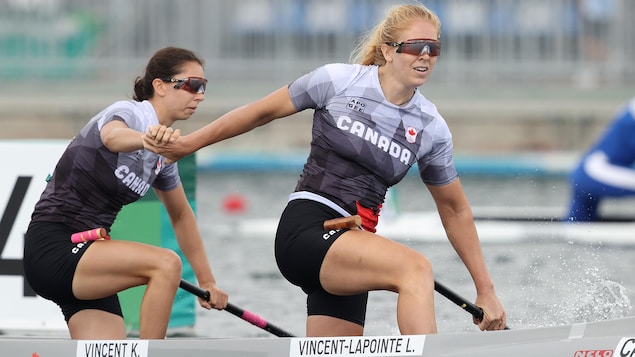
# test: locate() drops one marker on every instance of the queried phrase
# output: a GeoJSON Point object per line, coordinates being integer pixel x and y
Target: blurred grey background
{"type": "Point", "coordinates": [514, 75]}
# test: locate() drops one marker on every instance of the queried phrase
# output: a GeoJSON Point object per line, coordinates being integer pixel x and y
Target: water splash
{"type": "Point", "coordinates": [577, 290]}
{"type": "Point", "coordinates": [603, 300]}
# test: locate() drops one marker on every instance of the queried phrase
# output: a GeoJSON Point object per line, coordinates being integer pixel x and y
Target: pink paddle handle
{"type": "Point", "coordinates": [254, 319]}
{"type": "Point", "coordinates": [89, 235]}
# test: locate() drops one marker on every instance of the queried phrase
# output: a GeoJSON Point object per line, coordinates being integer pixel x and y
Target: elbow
{"type": "Point", "coordinates": [110, 142]}
{"type": "Point", "coordinates": [460, 215]}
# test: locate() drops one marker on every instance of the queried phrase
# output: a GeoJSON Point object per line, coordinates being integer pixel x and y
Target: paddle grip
{"type": "Point", "coordinates": [89, 235]}
{"type": "Point", "coordinates": [343, 223]}
{"type": "Point", "coordinates": [254, 319]}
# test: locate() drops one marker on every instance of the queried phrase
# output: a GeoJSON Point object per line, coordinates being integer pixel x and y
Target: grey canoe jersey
{"type": "Point", "coordinates": [361, 143]}
{"type": "Point", "coordinates": [91, 184]}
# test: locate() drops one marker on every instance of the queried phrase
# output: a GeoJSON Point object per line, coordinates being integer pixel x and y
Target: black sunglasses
{"type": "Point", "coordinates": [418, 47]}
{"type": "Point", "coordinates": [195, 85]}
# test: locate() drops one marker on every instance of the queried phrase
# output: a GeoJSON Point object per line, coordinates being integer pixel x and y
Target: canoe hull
{"type": "Point", "coordinates": [602, 339]}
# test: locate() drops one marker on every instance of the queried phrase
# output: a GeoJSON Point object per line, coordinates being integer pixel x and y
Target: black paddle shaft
{"type": "Point", "coordinates": [474, 310]}
{"type": "Point", "coordinates": [236, 311]}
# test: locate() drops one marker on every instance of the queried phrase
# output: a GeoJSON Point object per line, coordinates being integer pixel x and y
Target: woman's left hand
{"type": "Point", "coordinates": [494, 316]}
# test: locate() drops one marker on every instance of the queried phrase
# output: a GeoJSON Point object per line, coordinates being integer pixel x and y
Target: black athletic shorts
{"type": "Point", "coordinates": [50, 260]}
{"type": "Point", "coordinates": [300, 247]}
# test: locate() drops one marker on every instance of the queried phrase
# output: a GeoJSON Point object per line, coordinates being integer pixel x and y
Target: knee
{"type": "Point", "coordinates": [423, 268]}
{"type": "Point", "coordinates": [418, 273]}
{"type": "Point", "coordinates": [170, 264]}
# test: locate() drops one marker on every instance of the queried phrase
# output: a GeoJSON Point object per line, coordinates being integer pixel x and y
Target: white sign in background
{"type": "Point", "coordinates": [26, 163]}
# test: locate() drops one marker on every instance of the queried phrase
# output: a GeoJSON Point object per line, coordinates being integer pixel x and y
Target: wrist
{"type": "Point", "coordinates": [485, 289]}
{"type": "Point", "coordinates": [187, 145]}
{"type": "Point", "coordinates": [207, 282]}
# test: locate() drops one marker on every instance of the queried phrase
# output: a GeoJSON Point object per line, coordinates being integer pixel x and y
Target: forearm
{"type": "Point", "coordinates": [122, 140]}
{"type": "Point", "coordinates": [234, 123]}
{"type": "Point", "coordinates": [463, 236]}
{"type": "Point", "coordinates": [191, 244]}
{"type": "Point", "coordinates": [243, 119]}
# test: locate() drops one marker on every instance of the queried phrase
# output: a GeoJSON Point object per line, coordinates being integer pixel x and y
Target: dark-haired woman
{"type": "Point", "coordinates": [104, 168]}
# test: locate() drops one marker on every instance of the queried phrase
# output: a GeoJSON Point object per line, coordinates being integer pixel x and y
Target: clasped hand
{"type": "Point", "coordinates": [163, 140]}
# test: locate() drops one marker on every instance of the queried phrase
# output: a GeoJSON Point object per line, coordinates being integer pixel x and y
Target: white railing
{"type": "Point", "coordinates": [492, 41]}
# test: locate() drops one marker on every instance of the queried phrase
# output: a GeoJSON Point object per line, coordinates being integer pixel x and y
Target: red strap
{"type": "Point", "coordinates": [370, 217]}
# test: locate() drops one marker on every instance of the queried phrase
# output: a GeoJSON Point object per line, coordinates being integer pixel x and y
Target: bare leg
{"type": "Point", "coordinates": [87, 324]}
{"type": "Point", "coordinates": [109, 267]}
{"type": "Point", "coordinates": [361, 261]}
{"type": "Point", "coordinates": [324, 326]}
{"type": "Point", "coordinates": [156, 307]}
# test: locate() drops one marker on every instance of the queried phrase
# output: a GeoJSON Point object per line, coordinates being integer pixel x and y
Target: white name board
{"type": "Point", "coordinates": [26, 165]}
{"type": "Point", "coordinates": [112, 348]}
{"type": "Point", "coordinates": [364, 346]}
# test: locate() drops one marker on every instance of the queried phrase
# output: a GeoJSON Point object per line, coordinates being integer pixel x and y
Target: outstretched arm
{"type": "Point", "coordinates": [458, 221]}
{"type": "Point", "coordinates": [238, 121]}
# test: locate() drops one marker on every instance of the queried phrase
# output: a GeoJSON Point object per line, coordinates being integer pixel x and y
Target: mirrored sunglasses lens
{"type": "Point", "coordinates": [419, 48]}
{"type": "Point", "coordinates": [194, 85]}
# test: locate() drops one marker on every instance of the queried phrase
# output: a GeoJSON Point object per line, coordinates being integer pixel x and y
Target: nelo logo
{"type": "Point", "coordinates": [593, 353]}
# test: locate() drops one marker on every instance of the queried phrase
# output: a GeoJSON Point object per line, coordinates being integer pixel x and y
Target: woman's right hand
{"type": "Point", "coordinates": [165, 141]}
{"type": "Point", "coordinates": [162, 134]}
{"type": "Point", "coordinates": [217, 298]}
